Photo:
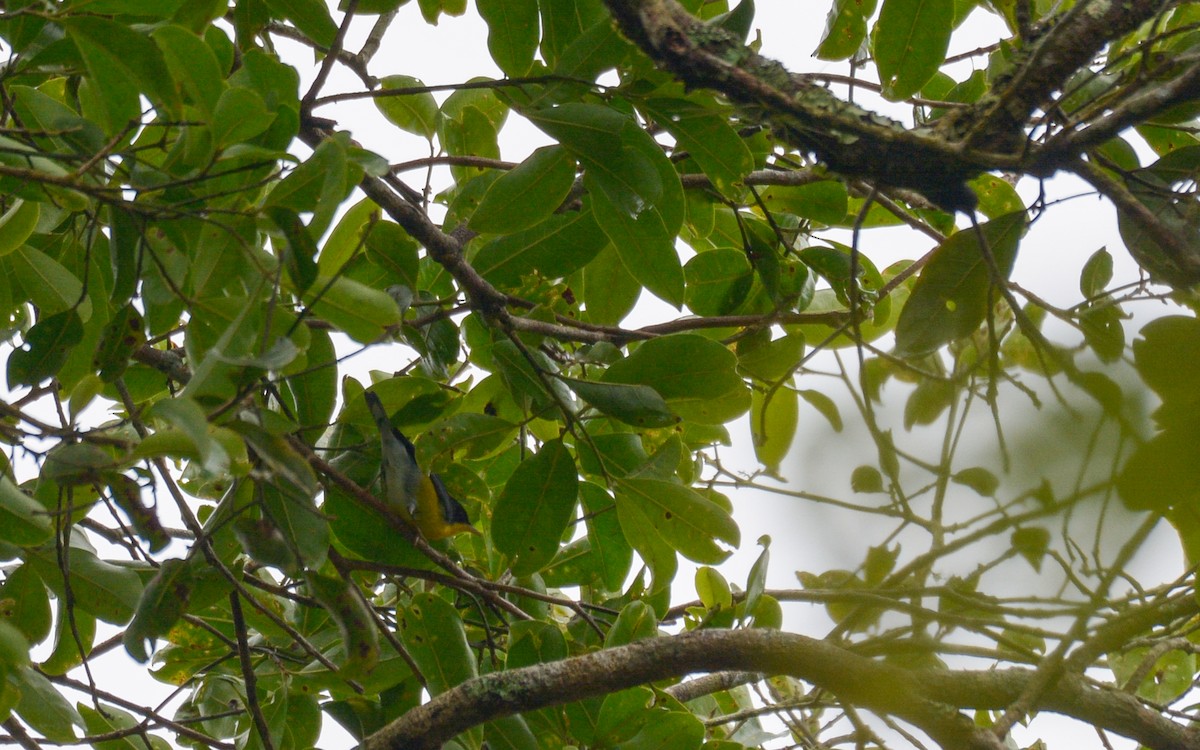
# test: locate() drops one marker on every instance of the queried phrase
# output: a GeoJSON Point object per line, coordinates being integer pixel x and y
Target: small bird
{"type": "Point", "coordinates": [418, 497]}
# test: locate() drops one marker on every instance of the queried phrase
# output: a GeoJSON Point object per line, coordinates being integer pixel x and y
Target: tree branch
{"type": "Point", "coordinates": [924, 699]}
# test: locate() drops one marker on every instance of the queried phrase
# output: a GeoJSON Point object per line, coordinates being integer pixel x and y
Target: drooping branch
{"type": "Point", "coordinates": [929, 699]}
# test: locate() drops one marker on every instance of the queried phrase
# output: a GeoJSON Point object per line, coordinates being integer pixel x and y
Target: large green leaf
{"type": "Point", "coordinates": [563, 21]}
{"type": "Point", "coordinates": [44, 708]}
{"type": "Point", "coordinates": [558, 246]}
{"type": "Point", "coordinates": [951, 297]}
{"type": "Point", "coordinates": [193, 64]}
{"type": "Point", "coordinates": [684, 518]}
{"type": "Point", "coordinates": [696, 376]}
{"type": "Point", "coordinates": [528, 194]}
{"type": "Point", "coordinates": [845, 29]}
{"type": "Point", "coordinates": [23, 521]}
{"type": "Point", "coordinates": [433, 634]}
{"type": "Point", "coordinates": [310, 16]}
{"type": "Point", "coordinates": [49, 284]}
{"type": "Point", "coordinates": [773, 420]}
{"type": "Point", "coordinates": [17, 223]}
{"type": "Point", "coordinates": [637, 405]}
{"type": "Point", "coordinates": [512, 33]}
{"type": "Point", "coordinates": [535, 507]}
{"type": "Point", "coordinates": [362, 313]}
{"type": "Point", "coordinates": [910, 43]}
{"type": "Point", "coordinates": [718, 281]}
{"type": "Point", "coordinates": [416, 113]}
{"type": "Point", "coordinates": [121, 64]}
{"type": "Point", "coordinates": [108, 591]}
{"type": "Point", "coordinates": [707, 137]}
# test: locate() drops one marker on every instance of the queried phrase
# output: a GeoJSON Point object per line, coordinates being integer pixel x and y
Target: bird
{"type": "Point", "coordinates": [421, 499]}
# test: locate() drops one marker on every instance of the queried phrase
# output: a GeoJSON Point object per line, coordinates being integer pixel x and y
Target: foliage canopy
{"type": "Point", "coordinates": [195, 247]}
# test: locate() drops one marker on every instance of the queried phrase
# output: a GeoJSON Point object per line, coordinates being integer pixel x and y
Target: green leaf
{"type": "Point", "coordinates": [413, 113]}
{"type": "Point", "coordinates": [1031, 542]}
{"type": "Point", "coordinates": [845, 29]}
{"type": "Point", "coordinates": [110, 592]}
{"type": "Point", "coordinates": [239, 115]}
{"type": "Point", "coordinates": [69, 625]}
{"type": "Point", "coordinates": [564, 22]}
{"type": "Point", "coordinates": [433, 634]}
{"type": "Point", "coordinates": [287, 469]}
{"type": "Point", "coordinates": [826, 201]}
{"type": "Point", "coordinates": [773, 420]}
{"type": "Point", "coordinates": [713, 589]}
{"type": "Point", "coordinates": [910, 42]}
{"type": "Point", "coordinates": [1162, 472]}
{"type": "Point", "coordinates": [23, 520]}
{"type": "Point", "coordinates": [558, 246]}
{"type": "Point", "coordinates": [122, 63]}
{"type": "Point", "coordinates": [394, 250]}
{"type": "Point", "coordinates": [718, 281]}
{"type": "Point", "coordinates": [927, 402]}
{"type": "Point", "coordinates": [694, 375]}
{"type": "Point", "coordinates": [192, 64]}
{"type": "Point", "coordinates": [14, 649]}
{"type": "Point", "coordinates": [314, 389]}
{"type": "Point", "coordinates": [645, 245]}
{"type": "Point", "coordinates": [950, 299]}
{"type": "Point", "coordinates": [528, 194]}
{"type": "Point", "coordinates": [825, 405]}
{"type": "Point", "coordinates": [686, 520]}
{"type": "Point", "coordinates": [299, 251]}
{"type": "Point", "coordinates": [362, 313]}
{"type": "Point", "coordinates": [635, 622]}
{"type": "Point", "coordinates": [979, 479]}
{"type": "Point", "coordinates": [111, 719]}
{"type": "Point", "coordinates": [1164, 357]}
{"type": "Point", "coordinates": [708, 138]}
{"type": "Point", "coordinates": [636, 405]}
{"type": "Point", "coordinates": [509, 732]}
{"type": "Point", "coordinates": [525, 383]}
{"type": "Point", "coordinates": [608, 543]}
{"type": "Point", "coordinates": [17, 224]}
{"type": "Point", "coordinates": [48, 283]}
{"type": "Point", "coordinates": [607, 289]}
{"type": "Point", "coordinates": [866, 478]}
{"type": "Point", "coordinates": [512, 33]}
{"type": "Point", "coordinates": [160, 606]}
{"type": "Point", "coordinates": [535, 507]}
{"type": "Point", "coordinates": [359, 636]}
{"type": "Point", "coordinates": [1096, 273]}
{"type": "Point", "coordinates": [318, 185]}
{"type": "Point", "coordinates": [674, 729]}
{"type": "Point", "coordinates": [310, 16]}
{"type": "Point", "coordinates": [43, 708]}
{"type": "Point", "coordinates": [301, 524]}
{"type": "Point", "coordinates": [767, 360]}
{"type": "Point", "coordinates": [123, 335]}
{"type": "Point", "coordinates": [349, 236]}
{"type": "Point", "coordinates": [996, 197]}
{"type": "Point", "coordinates": [623, 714]}
{"type": "Point", "coordinates": [49, 343]}
{"type": "Point", "coordinates": [756, 581]}
{"type": "Point", "coordinates": [26, 604]}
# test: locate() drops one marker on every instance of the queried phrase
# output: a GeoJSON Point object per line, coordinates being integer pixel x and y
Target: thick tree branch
{"type": "Point", "coordinates": [998, 121]}
{"type": "Point", "coordinates": [928, 699]}
{"type": "Point", "coordinates": [851, 140]}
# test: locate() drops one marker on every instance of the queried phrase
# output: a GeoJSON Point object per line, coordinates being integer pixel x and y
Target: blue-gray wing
{"type": "Point", "coordinates": [401, 475]}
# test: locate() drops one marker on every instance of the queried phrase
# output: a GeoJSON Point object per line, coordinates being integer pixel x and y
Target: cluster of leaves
{"type": "Point", "coordinates": [186, 244]}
